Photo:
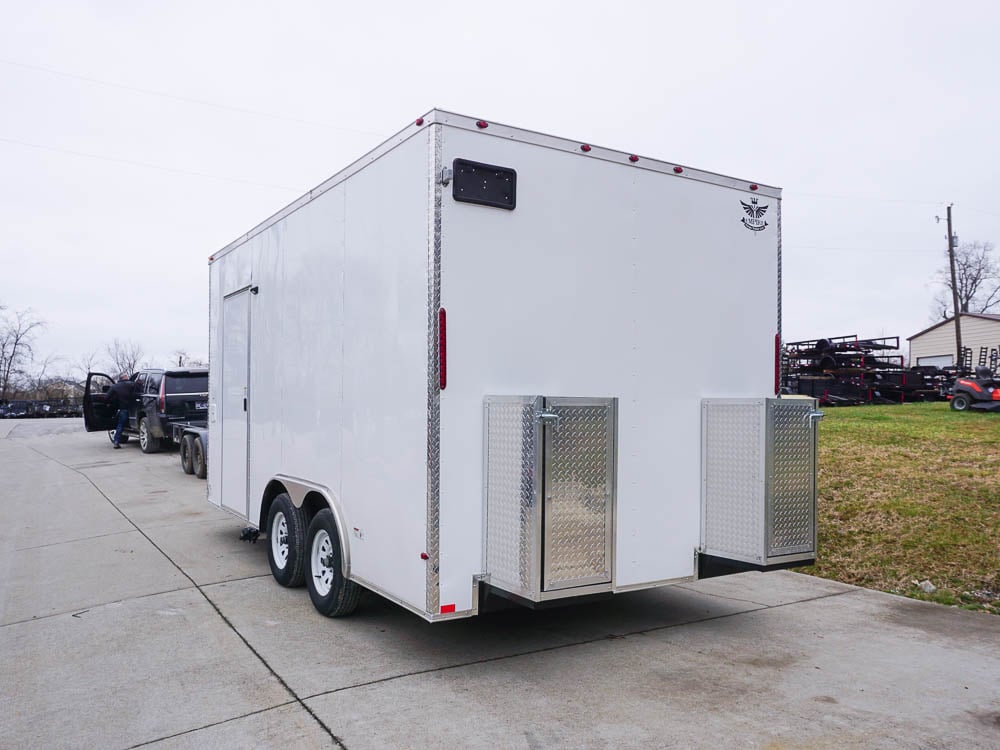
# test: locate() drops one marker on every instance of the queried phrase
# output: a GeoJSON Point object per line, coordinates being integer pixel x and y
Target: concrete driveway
{"type": "Point", "coordinates": [131, 615]}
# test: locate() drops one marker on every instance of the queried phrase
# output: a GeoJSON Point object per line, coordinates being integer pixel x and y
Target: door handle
{"type": "Point", "coordinates": [244, 403]}
{"type": "Point", "coordinates": [548, 418]}
{"type": "Point", "coordinates": [813, 417]}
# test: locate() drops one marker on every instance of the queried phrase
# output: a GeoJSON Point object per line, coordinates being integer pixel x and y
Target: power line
{"type": "Point", "coordinates": [868, 198]}
{"type": "Point", "coordinates": [186, 99]}
{"type": "Point", "coordinates": [864, 198]}
{"type": "Point", "coordinates": [883, 249]}
{"type": "Point", "coordinates": [145, 165]}
{"type": "Point", "coordinates": [978, 210]}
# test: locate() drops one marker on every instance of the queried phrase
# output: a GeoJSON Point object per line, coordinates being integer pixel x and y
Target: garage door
{"type": "Point", "coordinates": [940, 360]}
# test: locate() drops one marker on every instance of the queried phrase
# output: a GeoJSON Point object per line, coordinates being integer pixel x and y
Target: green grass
{"type": "Point", "coordinates": [911, 493]}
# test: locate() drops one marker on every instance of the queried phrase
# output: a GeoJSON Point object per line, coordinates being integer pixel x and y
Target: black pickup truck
{"type": "Point", "coordinates": [165, 397]}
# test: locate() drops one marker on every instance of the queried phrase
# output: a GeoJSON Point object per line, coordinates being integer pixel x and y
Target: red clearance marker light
{"type": "Point", "coordinates": [678, 170]}
{"type": "Point", "coordinates": [585, 147]}
{"type": "Point", "coordinates": [424, 556]}
{"type": "Point", "coordinates": [777, 364]}
{"type": "Point", "coordinates": [633, 158]}
{"type": "Point", "coordinates": [753, 187]}
{"type": "Point", "coordinates": [482, 124]}
{"type": "Point", "coordinates": [442, 349]}
{"type": "Point", "coordinates": [446, 608]}
{"type": "Point", "coordinates": [420, 121]}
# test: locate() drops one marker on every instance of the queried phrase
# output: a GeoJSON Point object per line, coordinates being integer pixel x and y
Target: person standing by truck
{"type": "Point", "coordinates": [121, 397]}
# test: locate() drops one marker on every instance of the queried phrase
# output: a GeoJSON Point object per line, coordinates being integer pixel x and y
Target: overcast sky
{"type": "Point", "coordinates": [137, 138]}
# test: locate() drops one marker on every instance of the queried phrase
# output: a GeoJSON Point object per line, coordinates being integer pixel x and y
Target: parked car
{"type": "Point", "coordinates": [165, 397]}
{"type": "Point", "coordinates": [20, 410]}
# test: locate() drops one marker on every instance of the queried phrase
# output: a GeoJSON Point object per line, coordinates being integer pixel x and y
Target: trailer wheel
{"type": "Point", "coordinates": [960, 402]}
{"type": "Point", "coordinates": [198, 458]}
{"type": "Point", "coordinates": [286, 536]}
{"type": "Point", "coordinates": [187, 454]}
{"type": "Point", "coordinates": [331, 593]}
{"type": "Point", "coordinates": [147, 443]}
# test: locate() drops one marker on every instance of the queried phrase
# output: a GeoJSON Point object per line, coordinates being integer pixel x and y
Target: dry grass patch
{"type": "Point", "coordinates": [911, 493]}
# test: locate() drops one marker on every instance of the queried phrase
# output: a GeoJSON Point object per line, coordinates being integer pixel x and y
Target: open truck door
{"type": "Point", "coordinates": [98, 413]}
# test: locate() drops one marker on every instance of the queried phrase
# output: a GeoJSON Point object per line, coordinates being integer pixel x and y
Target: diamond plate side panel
{"type": "Point", "coordinates": [733, 479]}
{"type": "Point", "coordinates": [792, 478]}
{"type": "Point", "coordinates": [579, 468]}
{"type": "Point", "coordinates": [512, 514]}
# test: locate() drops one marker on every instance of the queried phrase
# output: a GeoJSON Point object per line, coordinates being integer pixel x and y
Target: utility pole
{"type": "Point", "coordinates": [954, 292]}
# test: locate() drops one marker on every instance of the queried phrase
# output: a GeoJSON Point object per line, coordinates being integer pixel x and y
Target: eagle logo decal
{"type": "Point", "coordinates": [754, 219]}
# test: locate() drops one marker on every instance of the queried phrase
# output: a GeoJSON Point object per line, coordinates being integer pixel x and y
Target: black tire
{"type": "Point", "coordinates": [199, 459]}
{"type": "Point", "coordinates": [147, 443]}
{"type": "Point", "coordinates": [332, 594]}
{"type": "Point", "coordinates": [187, 454]}
{"type": "Point", "coordinates": [960, 402]}
{"type": "Point", "coordinates": [286, 533]}
{"type": "Point", "coordinates": [111, 436]}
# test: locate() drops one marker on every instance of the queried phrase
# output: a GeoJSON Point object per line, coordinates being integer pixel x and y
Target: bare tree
{"type": "Point", "coordinates": [17, 338]}
{"type": "Point", "coordinates": [85, 363]}
{"type": "Point", "coordinates": [42, 382]}
{"type": "Point", "coordinates": [977, 276]}
{"type": "Point", "coordinates": [181, 356]}
{"type": "Point", "coordinates": [125, 356]}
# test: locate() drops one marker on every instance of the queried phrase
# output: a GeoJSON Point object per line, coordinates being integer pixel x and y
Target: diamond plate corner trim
{"type": "Point", "coordinates": [512, 501]}
{"type": "Point", "coordinates": [579, 501]}
{"type": "Point", "coordinates": [791, 512]}
{"type": "Point", "coordinates": [434, 150]}
{"type": "Point", "coordinates": [778, 217]}
{"type": "Point", "coordinates": [733, 512]}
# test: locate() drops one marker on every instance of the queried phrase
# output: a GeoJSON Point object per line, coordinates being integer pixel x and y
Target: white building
{"type": "Point", "coordinates": [936, 345]}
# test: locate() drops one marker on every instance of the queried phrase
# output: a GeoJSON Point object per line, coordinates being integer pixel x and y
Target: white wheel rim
{"type": "Point", "coordinates": [279, 540]}
{"type": "Point", "coordinates": [322, 551]}
{"type": "Point", "coordinates": [143, 434]}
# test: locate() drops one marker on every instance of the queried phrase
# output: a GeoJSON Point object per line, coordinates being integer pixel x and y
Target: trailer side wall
{"type": "Point", "coordinates": [338, 359]}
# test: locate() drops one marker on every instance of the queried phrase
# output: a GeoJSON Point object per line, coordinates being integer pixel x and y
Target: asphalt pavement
{"type": "Point", "coordinates": [131, 615]}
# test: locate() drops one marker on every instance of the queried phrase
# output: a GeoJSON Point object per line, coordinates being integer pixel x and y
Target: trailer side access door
{"type": "Point", "coordinates": [234, 405]}
{"type": "Point", "coordinates": [550, 494]}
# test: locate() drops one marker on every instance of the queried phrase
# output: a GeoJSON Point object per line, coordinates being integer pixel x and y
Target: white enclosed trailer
{"type": "Point", "coordinates": [485, 357]}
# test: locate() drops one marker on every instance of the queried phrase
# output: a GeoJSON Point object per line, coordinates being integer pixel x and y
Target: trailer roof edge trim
{"type": "Point", "coordinates": [499, 130]}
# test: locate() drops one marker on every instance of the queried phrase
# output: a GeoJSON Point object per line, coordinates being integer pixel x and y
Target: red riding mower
{"type": "Point", "coordinates": [980, 392]}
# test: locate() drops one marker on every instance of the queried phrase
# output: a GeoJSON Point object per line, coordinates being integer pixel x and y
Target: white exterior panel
{"type": "Point", "coordinates": [338, 375]}
{"type": "Point", "coordinates": [602, 275]}
{"type": "Point", "coordinates": [385, 371]}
